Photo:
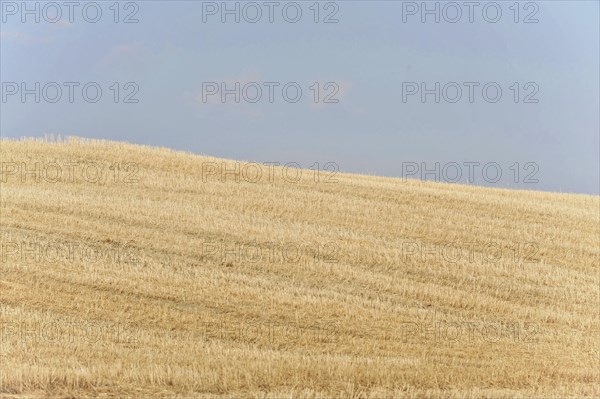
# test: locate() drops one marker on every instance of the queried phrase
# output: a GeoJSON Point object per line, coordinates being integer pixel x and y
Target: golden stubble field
{"type": "Point", "coordinates": [129, 271]}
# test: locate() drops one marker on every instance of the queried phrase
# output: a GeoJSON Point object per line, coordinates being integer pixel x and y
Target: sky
{"type": "Point", "coordinates": [501, 94]}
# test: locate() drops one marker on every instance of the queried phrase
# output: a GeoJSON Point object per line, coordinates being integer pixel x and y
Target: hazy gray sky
{"type": "Point", "coordinates": [367, 71]}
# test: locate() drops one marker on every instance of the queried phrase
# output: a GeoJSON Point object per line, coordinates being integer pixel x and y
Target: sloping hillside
{"type": "Point", "coordinates": [145, 272]}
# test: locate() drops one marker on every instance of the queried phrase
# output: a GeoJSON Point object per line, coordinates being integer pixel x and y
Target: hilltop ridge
{"type": "Point", "coordinates": [129, 270]}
